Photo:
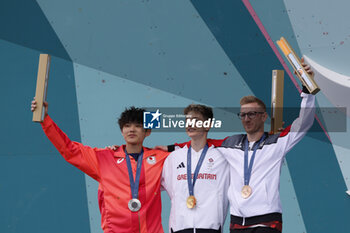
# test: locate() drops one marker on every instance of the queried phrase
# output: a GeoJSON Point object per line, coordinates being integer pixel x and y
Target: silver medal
{"type": "Point", "coordinates": [134, 205]}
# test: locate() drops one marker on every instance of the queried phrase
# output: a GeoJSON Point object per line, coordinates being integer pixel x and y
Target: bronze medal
{"type": "Point", "coordinates": [191, 202]}
{"type": "Point", "coordinates": [246, 191]}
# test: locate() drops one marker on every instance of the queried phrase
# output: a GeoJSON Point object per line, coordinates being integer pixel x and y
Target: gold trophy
{"type": "Point", "coordinates": [277, 100]}
{"type": "Point", "coordinates": [294, 60]}
{"type": "Point", "coordinates": [41, 87]}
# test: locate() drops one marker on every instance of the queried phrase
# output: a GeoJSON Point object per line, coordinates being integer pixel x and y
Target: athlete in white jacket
{"type": "Point", "coordinates": [202, 207]}
{"type": "Point", "coordinates": [255, 164]}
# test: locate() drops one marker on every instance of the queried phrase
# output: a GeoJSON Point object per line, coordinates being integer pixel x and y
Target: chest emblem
{"type": "Point", "coordinates": [210, 164]}
{"type": "Point", "coordinates": [151, 160]}
{"type": "Point", "coordinates": [120, 160]}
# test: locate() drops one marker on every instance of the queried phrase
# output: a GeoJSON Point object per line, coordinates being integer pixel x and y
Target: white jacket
{"type": "Point", "coordinates": [210, 189]}
{"type": "Point", "coordinates": [265, 177]}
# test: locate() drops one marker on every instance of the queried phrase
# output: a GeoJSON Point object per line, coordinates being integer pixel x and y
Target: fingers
{"type": "Point", "coordinates": [112, 147]}
{"type": "Point", "coordinates": [281, 128]}
{"type": "Point", "coordinates": [306, 67]}
{"type": "Point", "coordinates": [163, 148]}
{"type": "Point", "coordinates": [309, 70]}
{"type": "Point", "coordinates": [33, 105]}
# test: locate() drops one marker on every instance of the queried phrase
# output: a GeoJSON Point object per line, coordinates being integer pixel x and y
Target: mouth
{"type": "Point", "coordinates": [248, 125]}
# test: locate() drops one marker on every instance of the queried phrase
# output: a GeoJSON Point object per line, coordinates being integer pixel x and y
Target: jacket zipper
{"type": "Point", "coordinates": [138, 215]}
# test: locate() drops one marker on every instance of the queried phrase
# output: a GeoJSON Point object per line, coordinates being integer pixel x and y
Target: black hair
{"type": "Point", "coordinates": [131, 115]}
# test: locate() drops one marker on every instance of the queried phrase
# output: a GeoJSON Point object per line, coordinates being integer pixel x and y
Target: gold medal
{"type": "Point", "coordinates": [191, 202]}
{"type": "Point", "coordinates": [246, 191]}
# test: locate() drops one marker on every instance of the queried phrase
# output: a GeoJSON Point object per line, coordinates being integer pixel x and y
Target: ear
{"type": "Point", "coordinates": [265, 116]}
{"type": "Point", "coordinates": [148, 132]}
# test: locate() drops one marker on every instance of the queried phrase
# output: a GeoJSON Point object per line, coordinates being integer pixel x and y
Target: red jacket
{"type": "Point", "coordinates": [109, 168]}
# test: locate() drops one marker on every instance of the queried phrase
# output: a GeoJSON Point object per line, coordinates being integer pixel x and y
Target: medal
{"type": "Point", "coordinates": [134, 205]}
{"type": "Point", "coordinates": [191, 202]}
{"type": "Point", "coordinates": [246, 191]}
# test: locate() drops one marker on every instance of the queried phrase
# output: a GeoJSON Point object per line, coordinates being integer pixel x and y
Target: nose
{"type": "Point", "coordinates": [245, 118]}
{"type": "Point", "coordinates": [132, 128]}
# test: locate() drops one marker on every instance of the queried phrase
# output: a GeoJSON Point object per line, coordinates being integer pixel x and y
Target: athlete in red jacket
{"type": "Point", "coordinates": [129, 177]}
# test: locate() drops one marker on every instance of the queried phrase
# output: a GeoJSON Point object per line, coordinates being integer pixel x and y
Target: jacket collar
{"type": "Point", "coordinates": [188, 144]}
{"type": "Point", "coordinates": [120, 152]}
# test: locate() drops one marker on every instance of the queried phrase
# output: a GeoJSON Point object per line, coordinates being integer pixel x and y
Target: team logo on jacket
{"type": "Point", "coordinates": [239, 146]}
{"type": "Point", "coordinates": [210, 164]}
{"type": "Point", "coordinates": [181, 165]}
{"type": "Point", "coordinates": [151, 160]}
{"type": "Point", "coordinates": [120, 160]}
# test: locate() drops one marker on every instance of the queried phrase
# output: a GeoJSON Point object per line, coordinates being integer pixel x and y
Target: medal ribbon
{"type": "Point", "coordinates": [199, 164]}
{"type": "Point", "coordinates": [248, 169]}
{"type": "Point", "coordinates": [134, 185]}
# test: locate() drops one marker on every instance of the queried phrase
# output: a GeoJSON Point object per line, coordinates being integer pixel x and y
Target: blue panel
{"type": "Point", "coordinates": [39, 191]}
{"type": "Point", "coordinates": [242, 41]}
{"type": "Point", "coordinates": [163, 44]}
{"type": "Point", "coordinates": [319, 186]}
{"type": "Point", "coordinates": [292, 217]}
{"type": "Point", "coordinates": [323, 32]}
{"type": "Point", "coordinates": [22, 22]}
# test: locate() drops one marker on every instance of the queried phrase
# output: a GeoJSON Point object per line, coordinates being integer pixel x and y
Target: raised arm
{"type": "Point", "coordinates": [295, 132]}
{"type": "Point", "coordinates": [303, 123]}
{"type": "Point", "coordinates": [82, 157]}
{"type": "Point", "coordinates": [75, 153]}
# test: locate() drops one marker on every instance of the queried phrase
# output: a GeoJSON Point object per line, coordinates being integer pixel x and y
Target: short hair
{"type": "Point", "coordinates": [207, 112]}
{"type": "Point", "coordinates": [252, 99]}
{"type": "Point", "coordinates": [131, 115]}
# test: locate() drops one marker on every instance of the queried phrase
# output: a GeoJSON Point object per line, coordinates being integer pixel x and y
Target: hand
{"type": "Point", "coordinates": [115, 147]}
{"type": "Point", "coordinates": [282, 128]}
{"type": "Point", "coordinates": [163, 148]}
{"type": "Point", "coordinates": [279, 130]}
{"type": "Point", "coordinates": [307, 68]}
{"type": "Point", "coordinates": [33, 106]}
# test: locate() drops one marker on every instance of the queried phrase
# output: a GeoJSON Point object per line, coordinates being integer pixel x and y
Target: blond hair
{"type": "Point", "coordinates": [252, 99]}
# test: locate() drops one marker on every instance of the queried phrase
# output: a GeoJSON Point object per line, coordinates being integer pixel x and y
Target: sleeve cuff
{"type": "Point", "coordinates": [171, 148]}
{"type": "Point", "coordinates": [305, 90]}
